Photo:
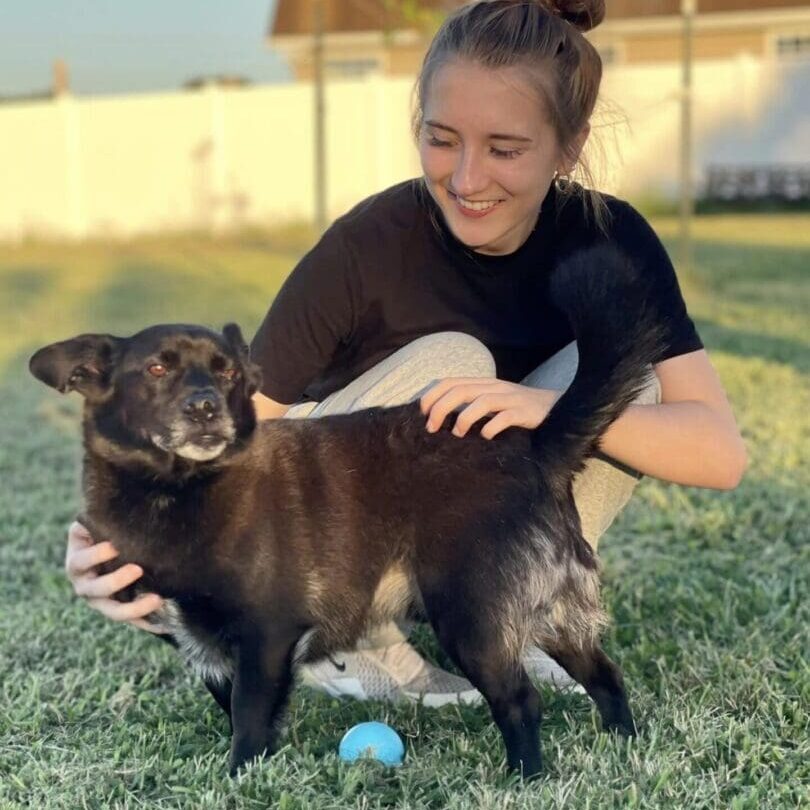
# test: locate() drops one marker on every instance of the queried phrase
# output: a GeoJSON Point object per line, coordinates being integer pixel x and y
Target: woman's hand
{"type": "Point", "coordinates": [83, 554]}
{"type": "Point", "coordinates": [513, 405]}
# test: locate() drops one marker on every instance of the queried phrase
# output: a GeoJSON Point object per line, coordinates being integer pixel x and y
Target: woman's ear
{"type": "Point", "coordinates": [571, 154]}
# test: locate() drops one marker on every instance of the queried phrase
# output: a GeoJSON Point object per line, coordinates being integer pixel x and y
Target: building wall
{"type": "Point", "coordinates": [633, 48]}
{"type": "Point", "coordinates": [405, 60]}
{"type": "Point", "coordinates": [651, 35]}
{"type": "Point", "coordinates": [226, 158]}
{"type": "Point", "coordinates": [666, 47]}
{"type": "Point", "coordinates": [652, 8]}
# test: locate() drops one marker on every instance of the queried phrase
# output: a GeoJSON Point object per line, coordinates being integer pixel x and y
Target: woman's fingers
{"type": "Point", "coordinates": [460, 395]}
{"type": "Point", "coordinates": [478, 409]}
{"type": "Point", "coordinates": [78, 538]}
{"type": "Point", "coordinates": [127, 611]}
{"type": "Point", "coordinates": [78, 534]}
{"type": "Point", "coordinates": [92, 586]}
{"type": "Point", "coordinates": [499, 422]}
{"type": "Point", "coordinates": [81, 559]}
{"type": "Point", "coordinates": [144, 624]}
{"type": "Point", "coordinates": [436, 392]}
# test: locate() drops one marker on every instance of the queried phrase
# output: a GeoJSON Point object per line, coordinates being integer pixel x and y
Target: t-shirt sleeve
{"type": "Point", "coordinates": [633, 234]}
{"type": "Point", "coordinates": [312, 315]}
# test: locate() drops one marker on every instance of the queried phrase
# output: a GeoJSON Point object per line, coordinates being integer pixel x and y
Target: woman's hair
{"type": "Point", "coordinates": [545, 38]}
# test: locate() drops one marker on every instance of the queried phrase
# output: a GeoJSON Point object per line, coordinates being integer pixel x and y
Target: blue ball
{"type": "Point", "coordinates": [375, 740]}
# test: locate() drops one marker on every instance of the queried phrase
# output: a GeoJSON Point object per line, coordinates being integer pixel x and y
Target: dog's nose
{"type": "Point", "coordinates": [201, 406]}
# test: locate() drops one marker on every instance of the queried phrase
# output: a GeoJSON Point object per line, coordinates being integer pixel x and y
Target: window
{"type": "Point", "coordinates": [351, 68]}
{"type": "Point", "coordinates": [793, 45]}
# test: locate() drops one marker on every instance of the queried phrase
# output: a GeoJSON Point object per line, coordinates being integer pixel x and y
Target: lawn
{"type": "Point", "coordinates": [708, 590]}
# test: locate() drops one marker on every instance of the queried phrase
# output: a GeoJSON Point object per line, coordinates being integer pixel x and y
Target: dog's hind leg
{"type": "Point", "coordinates": [601, 678]}
{"type": "Point", "coordinates": [477, 647]}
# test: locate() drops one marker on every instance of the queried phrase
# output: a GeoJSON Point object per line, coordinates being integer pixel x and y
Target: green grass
{"type": "Point", "coordinates": [709, 591]}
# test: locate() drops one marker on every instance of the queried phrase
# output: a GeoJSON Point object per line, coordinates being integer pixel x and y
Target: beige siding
{"type": "Point", "coordinates": [405, 61]}
{"type": "Point", "coordinates": [666, 47]}
{"type": "Point", "coordinates": [628, 9]}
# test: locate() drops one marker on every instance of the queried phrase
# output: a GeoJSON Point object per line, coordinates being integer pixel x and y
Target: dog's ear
{"type": "Point", "coordinates": [233, 337]}
{"type": "Point", "coordinates": [252, 374]}
{"type": "Point", "coordinates": [82, 364]}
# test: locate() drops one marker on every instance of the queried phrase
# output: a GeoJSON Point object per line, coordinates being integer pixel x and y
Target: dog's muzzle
{"type": "Point", "coordinates": [201, 431]}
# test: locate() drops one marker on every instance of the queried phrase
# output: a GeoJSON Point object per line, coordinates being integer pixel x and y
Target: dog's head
{"type": "Point", "coordinates": [170, 390]}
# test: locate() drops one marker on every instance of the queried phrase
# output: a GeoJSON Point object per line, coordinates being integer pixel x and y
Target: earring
{"type": "Point", "coordinates": [562, 181]}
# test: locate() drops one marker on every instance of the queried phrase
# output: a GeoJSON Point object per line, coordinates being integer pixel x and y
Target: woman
{"type": "Point", "coordinates": [445, 278]}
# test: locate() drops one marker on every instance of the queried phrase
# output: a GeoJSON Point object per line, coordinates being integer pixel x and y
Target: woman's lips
{"type": "Point", "coordinates": [468, 212]}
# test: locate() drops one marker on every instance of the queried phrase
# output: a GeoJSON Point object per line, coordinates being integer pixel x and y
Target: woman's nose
{"type": "Point", "coordinates": [469, 176]}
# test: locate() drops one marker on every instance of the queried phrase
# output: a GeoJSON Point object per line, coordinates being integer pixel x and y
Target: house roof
{"type": "Point", "coordinates": [623, 9]}
{"type": "Point", "coordinates": [295, 17]}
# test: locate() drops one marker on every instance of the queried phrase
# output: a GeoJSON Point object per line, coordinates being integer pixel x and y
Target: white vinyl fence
{"type": "Point", "coordinates": [220, 159]}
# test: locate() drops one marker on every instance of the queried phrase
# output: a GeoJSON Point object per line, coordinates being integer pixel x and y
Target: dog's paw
{"type": "Point", "coordinates": [527, 768]}
{"type": "Point", "coordinates": [624, 727]}
{"type": "Point", "coordinates": [242, 758]}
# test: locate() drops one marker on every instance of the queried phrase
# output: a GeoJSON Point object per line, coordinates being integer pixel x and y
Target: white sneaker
{"type": "Point", "coordinates": [541, 667]}
{"type": "Point", "coordinates": [392, 673]}
{"type": "Point", "coordinates": [398, 672]}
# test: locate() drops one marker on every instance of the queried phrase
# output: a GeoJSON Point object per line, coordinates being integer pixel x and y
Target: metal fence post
{"type": "Point", "coordinates": [688, 11]}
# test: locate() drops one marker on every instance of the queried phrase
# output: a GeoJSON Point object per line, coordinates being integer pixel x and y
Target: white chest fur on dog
{"type": "Point", "coordinates": [209, 660]}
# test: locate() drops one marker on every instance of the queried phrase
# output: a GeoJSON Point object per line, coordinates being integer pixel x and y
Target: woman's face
{"type": "Point", "coordinates": [488, 154]}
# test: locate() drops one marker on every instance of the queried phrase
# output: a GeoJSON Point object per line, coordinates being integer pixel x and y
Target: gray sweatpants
{"type": "Point", "coordinates": [601, 490]}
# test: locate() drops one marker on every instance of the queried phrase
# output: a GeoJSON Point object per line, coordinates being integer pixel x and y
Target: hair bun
{"type": "Point", "coordinates": [582, 14]}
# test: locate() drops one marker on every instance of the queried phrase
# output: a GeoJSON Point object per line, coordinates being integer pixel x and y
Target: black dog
{"type": "Point", "coordinates": [285, 541]}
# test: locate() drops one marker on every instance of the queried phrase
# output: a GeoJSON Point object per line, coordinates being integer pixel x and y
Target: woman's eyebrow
{"type": "Point", "coordinates": [495, 136]}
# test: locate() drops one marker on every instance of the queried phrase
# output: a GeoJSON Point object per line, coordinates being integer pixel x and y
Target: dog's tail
{"type": "Point", "coordinates": [607, 300]}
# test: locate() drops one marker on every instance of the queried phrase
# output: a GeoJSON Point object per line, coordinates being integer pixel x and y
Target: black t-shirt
{"type": "Point", "coordinates": [390, 271]}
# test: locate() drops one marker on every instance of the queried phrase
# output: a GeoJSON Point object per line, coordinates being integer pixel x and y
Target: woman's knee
{"type": "Point", "coordinates": [454, 354]}
{"type": "Point", "coordinates": [406, 374]}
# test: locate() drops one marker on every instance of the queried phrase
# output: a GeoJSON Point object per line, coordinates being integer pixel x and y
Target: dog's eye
{"type": "Point", "coordinates": [229, 374]}
{"type": "Point", "coordinates": [158, 370]}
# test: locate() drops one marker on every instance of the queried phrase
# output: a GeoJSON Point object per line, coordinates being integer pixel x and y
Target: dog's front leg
{"type": "Point", "coordinates": [221, 691]}
{"type": "Point", "coordinates": [261, 685]}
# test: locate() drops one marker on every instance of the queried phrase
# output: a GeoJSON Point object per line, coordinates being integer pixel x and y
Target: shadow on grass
{"type": "Point", "coordinates": [722, 263]}
{"type": "Point", "coordinates": [21, 287]}
{"type": "Point", "coordinates": [41, 303]}
{"type": "Point", "coordinates": [744, 343]}
{"type": "Point", "coordinates": [138, 295]}
{"type": "Point", "coordinates": [774, 277]}
{"type": "Point", "coordinates": [771, 277]}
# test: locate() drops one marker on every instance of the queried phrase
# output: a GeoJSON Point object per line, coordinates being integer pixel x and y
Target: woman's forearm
{"type": "Point", "coordinates": [683, 442]}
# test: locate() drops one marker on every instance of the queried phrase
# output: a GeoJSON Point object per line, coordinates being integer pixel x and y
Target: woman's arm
{"type": "Point", "coordinates": [691, 438]}
{"type": "Point", "coordinates": [267, 408]}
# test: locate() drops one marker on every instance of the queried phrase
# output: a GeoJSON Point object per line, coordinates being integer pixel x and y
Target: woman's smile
{"type": "Point", "coordinates": [475, 209]}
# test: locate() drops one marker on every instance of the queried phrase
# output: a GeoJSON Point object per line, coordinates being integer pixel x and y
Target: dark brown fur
{"type": "Point", "coordinates": [299, 535]}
